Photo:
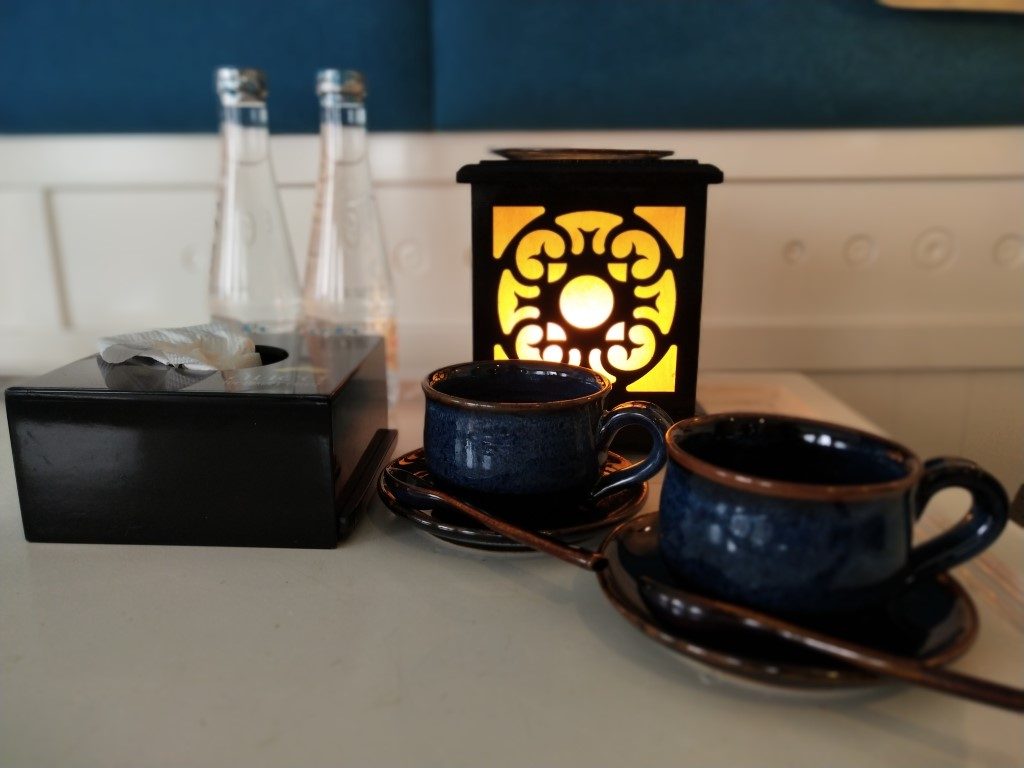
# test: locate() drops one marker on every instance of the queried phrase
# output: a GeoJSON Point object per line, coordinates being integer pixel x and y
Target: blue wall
{"type": "Point", "coordinates": [146, 65]}
{"type": "Point", "coordinates": [721, 63]}
{"type": "Point", "coordinates": [86, 66]}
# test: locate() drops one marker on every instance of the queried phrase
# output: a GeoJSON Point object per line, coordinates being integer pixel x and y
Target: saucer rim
{"type": "Point", "coordinates": [746, 669]}
{"type": "Point", "coordinates": [486, 540]}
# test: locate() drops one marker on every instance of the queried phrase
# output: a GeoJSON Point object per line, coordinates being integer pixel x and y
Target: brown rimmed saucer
{"type": "Point", "coordinates": [934, 621]}
{"type": "Point", "coordinates": [571, 520]}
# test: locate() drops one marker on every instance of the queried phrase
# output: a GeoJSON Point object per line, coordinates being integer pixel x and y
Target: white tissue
{"type": "Point", "coordinates": [209, 347]}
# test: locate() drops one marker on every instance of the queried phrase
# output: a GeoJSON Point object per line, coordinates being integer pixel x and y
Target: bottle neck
{"type": "Point", "coordinates": [244, 131]}
{"type": "Point", "coordinates": [342, 130]}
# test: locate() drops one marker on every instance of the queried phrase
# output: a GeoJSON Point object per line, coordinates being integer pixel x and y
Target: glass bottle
{"type": "Point", "coordinates": [253, 279]}
{"type": "Point", "coordinates": [348, 287]}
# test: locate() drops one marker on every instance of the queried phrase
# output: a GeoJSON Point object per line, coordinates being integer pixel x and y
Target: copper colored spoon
{"type": "Point", "coordinates": [683, 609]}
{"type": "Point", "coordinates": [412, 489]}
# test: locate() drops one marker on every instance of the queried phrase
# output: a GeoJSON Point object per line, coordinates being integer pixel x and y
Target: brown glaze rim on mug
{"type": "Point", "coordinates": [784, 488]}
{"type": "Point", "coordinates": [442, 374]}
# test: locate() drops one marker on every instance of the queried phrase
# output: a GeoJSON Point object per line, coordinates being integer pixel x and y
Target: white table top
{"type": "Point", "coordinates": [396, 649]}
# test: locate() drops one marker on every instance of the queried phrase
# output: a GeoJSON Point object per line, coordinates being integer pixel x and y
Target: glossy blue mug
{"type": "Point", "coordinates": [530, 428]}
{"type": "Point", "coordinates": [797, 516]}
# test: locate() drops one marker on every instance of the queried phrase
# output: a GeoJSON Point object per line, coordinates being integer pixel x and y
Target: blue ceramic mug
{"type": "Point", "coordinates": [797, 516]}
{"type": "Point", "coordinates": [531, 428]}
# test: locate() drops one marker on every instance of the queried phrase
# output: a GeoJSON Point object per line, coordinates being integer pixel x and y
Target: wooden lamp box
{"type": "Point", "coordinates": [594, 258]}
{"type": "Point", "coordinates": [281, 455]}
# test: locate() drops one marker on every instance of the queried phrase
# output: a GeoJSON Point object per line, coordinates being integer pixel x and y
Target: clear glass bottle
{"type": "Point", "coordinates": [348, 287]}
{"type": "Point", "coordinates": [253, 279]}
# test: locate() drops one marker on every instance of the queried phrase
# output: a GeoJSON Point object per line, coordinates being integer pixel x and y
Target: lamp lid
{"type": "Point", "coordinates": [567, 153]}
{"type": "Point", "coordinates": [526, 165]}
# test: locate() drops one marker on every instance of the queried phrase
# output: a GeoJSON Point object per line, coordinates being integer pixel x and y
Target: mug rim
{"type": "Point", "coordinates": [789, 489]}
{"type": "Point", "coordinates": [461, 401]}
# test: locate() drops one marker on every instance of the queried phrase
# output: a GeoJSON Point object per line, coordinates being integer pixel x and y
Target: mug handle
{"type": "Point", "coordinates": [634, 412]}
{"type": "Point", "coordinates": [984, 521]}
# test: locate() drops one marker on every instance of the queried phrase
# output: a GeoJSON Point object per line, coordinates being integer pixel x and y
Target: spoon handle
{"type": "Point", "coordinates": [578, 556]}
{"type": "Point", "coordinates": [570, 553]}
{"type": "Point", "coordinates": [869, 659]}
{"type": "Point", "coordinates": [882, 663]}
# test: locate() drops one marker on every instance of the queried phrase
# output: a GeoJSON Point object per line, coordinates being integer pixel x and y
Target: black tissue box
{"type": "Point", "coordinates": [282, 455]}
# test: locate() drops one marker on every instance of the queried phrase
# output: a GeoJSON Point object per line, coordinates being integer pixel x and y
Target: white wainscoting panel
{"type": "Point", "coordinates": [869, 253]}
{"type": "Point", "coordinates": [977, 414]}
{"type": "Point", "coordinates": [429, 239]}
{"type": "Point", "coordinates": [135, 258]}
{"type": "Point", "coordinates": [29, 291]}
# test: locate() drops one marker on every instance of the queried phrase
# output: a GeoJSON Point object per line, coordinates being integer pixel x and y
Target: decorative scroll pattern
{"type": "Point", "coordinates": [591, 288]}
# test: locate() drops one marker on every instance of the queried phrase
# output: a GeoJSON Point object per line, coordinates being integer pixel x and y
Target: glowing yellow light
{"type": "Point", "coordinates": [555, 332]}
{"type": "Point", "coordinates": [645, 246]}
{"type": "Point", "coordinates": [556, 272]}
{"type": "Point", "coordinates": [510, 291]}
{"type": "Point", "coordinates": [664, 294]}
{"type": "Point", "coordinates": [646, 344]}
{"type": "Point", "coordinates": [597, 365]}
{"type": "Point", "coordinates": [619, 272]}
{"type": "Point", "coordinates": [552, 353]}
{"type": "Point", "coordinates": [529, 249]}
{"type": "Point", "coordinates": [507, 220]}
{"type": "Point", "coordinates": [661, 378]}
{"type": "Point", "coordinates": [528, 341]}
{"type": "Point", "coordinates": [540, 261]}
{"type": "Point", "coordinates": [586, 301]}
{"type": "Point", "coordinates": [596, 223]}
{"type": "Point", "coordinates": [669, 221]}
{"type": "Point", "coordinates": [616, 333]}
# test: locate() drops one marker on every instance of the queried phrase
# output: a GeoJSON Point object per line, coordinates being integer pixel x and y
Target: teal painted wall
{"type": "Point", "coordinates": [70, 66]}
{"type": "Point", "coordinates": [721, 63]}
{"type": "Point", "coordinates": [85, 66]}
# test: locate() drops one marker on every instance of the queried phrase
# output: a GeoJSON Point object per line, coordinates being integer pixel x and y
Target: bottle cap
{"type": "Point", "coordinates": [236, 85]}
{"type": "Point", "coordinates": [347, 82]}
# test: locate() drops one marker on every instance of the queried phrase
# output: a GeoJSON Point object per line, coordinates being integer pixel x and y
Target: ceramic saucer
{"type": "Point", "coordinates": [934, 621]}
{"type": "Point", "coordinates": [572, 521]}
